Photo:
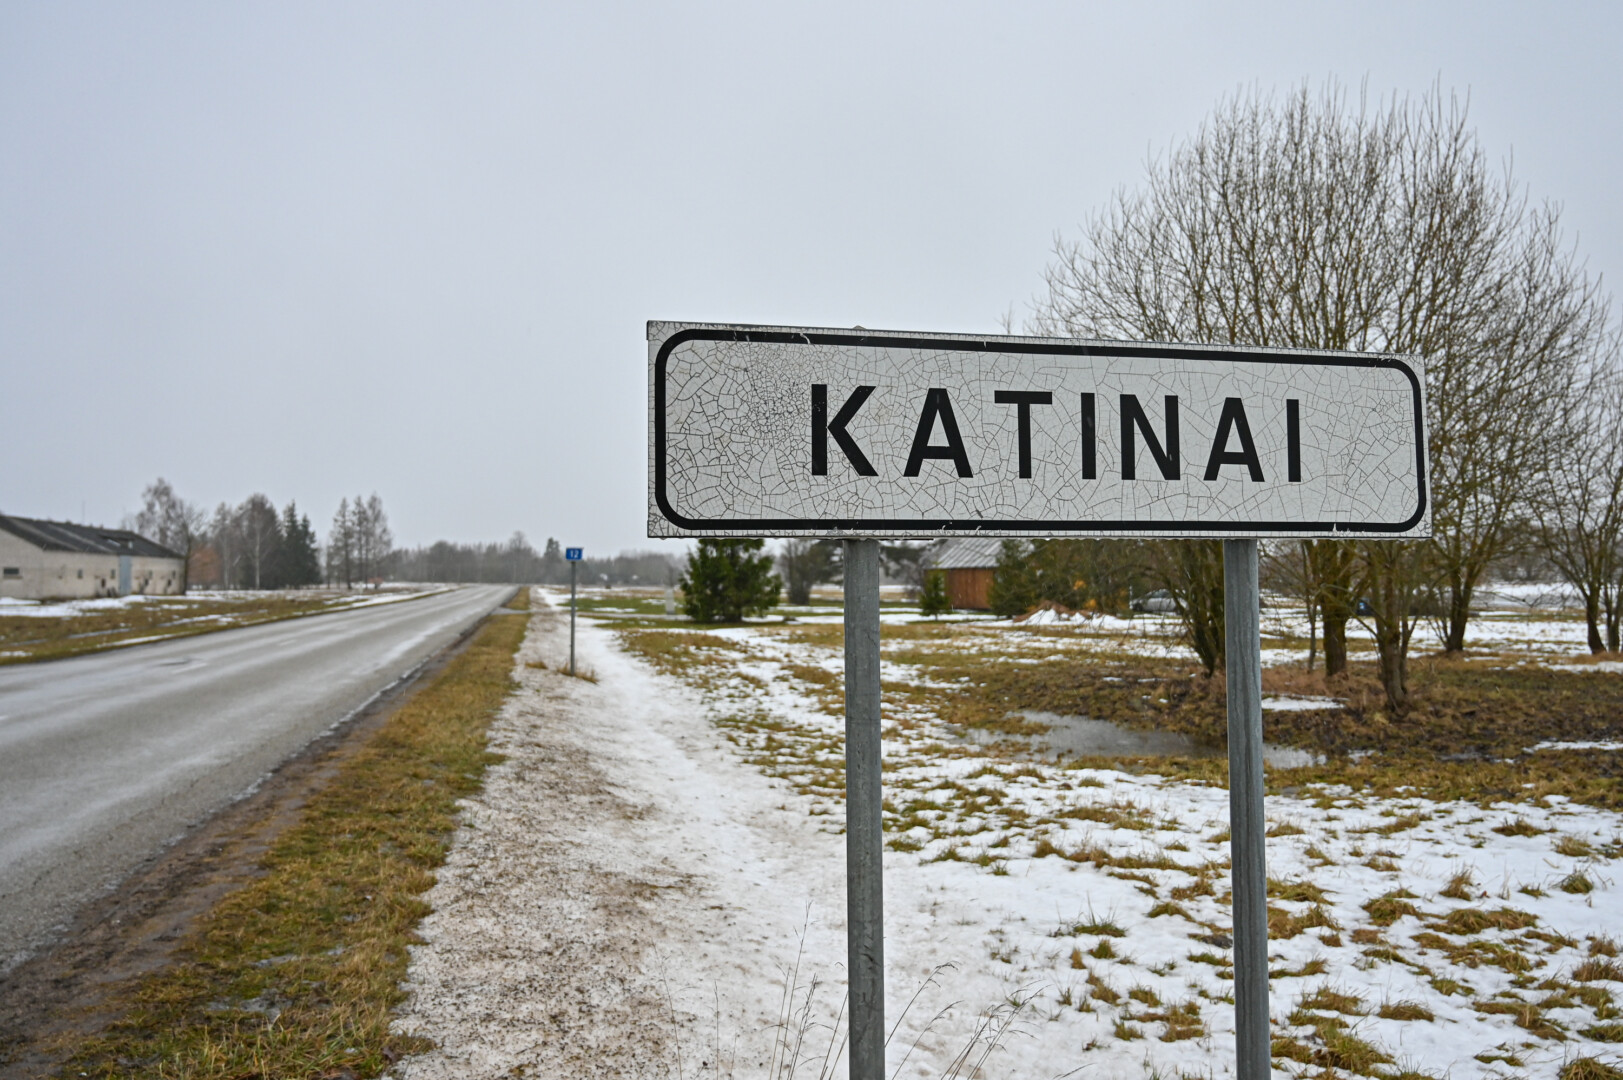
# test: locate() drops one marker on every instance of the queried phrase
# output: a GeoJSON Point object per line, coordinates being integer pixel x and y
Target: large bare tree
{"type": "Point", "coordinates": [172, 522]}
{"type": "Point", "coordinates": [1319, 220]}
{"type": "Point", "coordinates": [1577, 507]}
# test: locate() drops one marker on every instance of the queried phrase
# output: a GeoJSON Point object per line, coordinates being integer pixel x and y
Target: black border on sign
{"type": "Point", "coordinates": [1056, 348]}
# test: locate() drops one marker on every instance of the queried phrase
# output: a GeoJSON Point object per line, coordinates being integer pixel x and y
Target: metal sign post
{"type": "Point", "coordinates": [574, 556]}
{"type": "Point", "coordinates": [1242, 625]}
{"type": "Point", "coordinates": [857, 434]}
{"type": "Point", "coordinates": [864, 813]}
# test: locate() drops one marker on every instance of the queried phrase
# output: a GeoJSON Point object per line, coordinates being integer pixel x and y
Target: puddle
{"type": "Point", "coordinates": [1083, 736]}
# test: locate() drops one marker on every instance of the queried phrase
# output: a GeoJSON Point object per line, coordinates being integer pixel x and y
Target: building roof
{"type": "Point", "coordinates": [966, 553]}
{"type": "Point", "coordinates": [83, 539]}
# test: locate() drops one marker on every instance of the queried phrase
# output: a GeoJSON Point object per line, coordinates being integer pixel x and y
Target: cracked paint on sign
{"type": "Point", "coordinates": [775, 431]}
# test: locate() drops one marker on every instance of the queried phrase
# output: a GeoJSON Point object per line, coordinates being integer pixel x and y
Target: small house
{"type": "Point", "coordinates": [968, 563]}
{"type": "Point", "coordinates": [41, 560]}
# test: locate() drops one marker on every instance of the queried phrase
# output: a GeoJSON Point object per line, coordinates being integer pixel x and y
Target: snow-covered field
{"type": "Point", "coordinates": [65, 609]}
{"type": "Point", "coordinates": [652, 885]}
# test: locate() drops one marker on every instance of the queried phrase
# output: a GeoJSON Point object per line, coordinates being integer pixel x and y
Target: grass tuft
{"type": "Point", "coordinates": [1588, 1068]}
{"type": "Point", "coordinates": [1333, 1001]}
{"type": "Point", "coordinates": [1467, 921]}
{"type": "Point", "coordinates": [1404, 1010]}
{"type": "Point", "coordinates": [1574, 847]}
{"type": "Point", "coordinates": [1388, 908]}
{"type": "Point", "coordinates": [1461, 886]}
{"type": "Point", "coordinates": [1597, 969]}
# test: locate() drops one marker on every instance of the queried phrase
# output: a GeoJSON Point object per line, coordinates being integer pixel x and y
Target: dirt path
{"type": "Point", "coordinates": [620, 899]}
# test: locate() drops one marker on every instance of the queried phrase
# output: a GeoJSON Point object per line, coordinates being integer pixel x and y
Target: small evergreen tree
{"type": "Point", "coordinates": [933, 599]}
{"type": "Point", "coordinates": [298, 561]}
{"type": "Point", "coordinates": [554, 569]}
{"type": "Point", "coordinates": [728, 579]}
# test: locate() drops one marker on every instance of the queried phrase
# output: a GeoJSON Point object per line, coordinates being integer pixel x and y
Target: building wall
{"type": "Point", "coordinates": [151, 576]}
{"type": "Point", "coordinates": [49, 575]}
{"type": "Point", "coordinates": [970, 590]}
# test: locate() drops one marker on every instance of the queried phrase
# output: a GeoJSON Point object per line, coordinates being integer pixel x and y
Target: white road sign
{"type": "Point", "coordinates": [792, 431]}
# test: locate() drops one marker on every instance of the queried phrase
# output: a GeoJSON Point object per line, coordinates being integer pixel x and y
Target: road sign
{"type": "Point", "coordinates": [574, 554]}
{"type": "Point", "coordinates": [786, 431]}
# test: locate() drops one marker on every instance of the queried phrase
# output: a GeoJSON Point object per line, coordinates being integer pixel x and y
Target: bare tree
{"type": "Point", "coordinates": [1315, 222]}
{"type": "Point", "coordinates": [1578, 504]}
{"type": "Point", "coordinates": [259, 529]}
{"type": "Point", "coordinates": [341, 545]}
{"type": "Point", "coordinates": [372, 540]}
{"type": "Point", "coordinates": [1192, 571]}
{"type": "Point", "coordinates": [223, 538]}
{"type": "Point", "coordinates": [806, 564]}
{"type": "Point", "coordinates": [172, 522]}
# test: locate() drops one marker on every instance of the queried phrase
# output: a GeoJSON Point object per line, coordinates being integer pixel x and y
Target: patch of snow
{"type": "Point", "coordinates": [1299, 704]}
{"type": "Point", "coordinates": [1551, 744]}
{"type": "Point", "coordinates": [1608, 666]}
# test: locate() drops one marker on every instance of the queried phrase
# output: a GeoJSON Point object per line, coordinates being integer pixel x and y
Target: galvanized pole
{"type": "Point", "coordinates": [574, 567]}
{"type": "Point", "coordinates": [864, 836]}
{"type": "Point", "coordinates": [1242, 602]}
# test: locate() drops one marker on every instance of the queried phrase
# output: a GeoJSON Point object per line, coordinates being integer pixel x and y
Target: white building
{"type": "Point", "coordinates": [42, 560]}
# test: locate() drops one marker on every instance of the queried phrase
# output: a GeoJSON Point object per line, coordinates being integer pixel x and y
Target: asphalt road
{"type": "Point", "coordinates": [104, 758]}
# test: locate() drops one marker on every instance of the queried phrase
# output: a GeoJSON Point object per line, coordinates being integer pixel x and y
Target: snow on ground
{"type": "Point", "coordinates": [1298, 704]}
{"type": "Point", "coordinates": [64, 609]}
{"type": "Point", "coordinates": [652, 884]}
{"type": "Point", "coordinates": [1492, 637]}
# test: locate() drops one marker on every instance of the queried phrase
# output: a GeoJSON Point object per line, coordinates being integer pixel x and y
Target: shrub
{"type": "Point", "coordinates": [728, 579]}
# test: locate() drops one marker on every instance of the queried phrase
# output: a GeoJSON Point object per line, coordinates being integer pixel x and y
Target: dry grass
{"type": "Point", "coordinates": [1526, 1015]}
{"type": "Point", "coordinates": [1404, 1010]}
{"type": "Point", "coordinates": [1467, 921]}
{"type": "Point", "coordinates": [1518, 827]}
{"type": "Point", "coordinates": [1330, 1000]}
{"type": "Point", "coordinates": [1574, 847]}
{"type": "Point", "coordinates": [1298, 891]}
{"type": "Point", "coordinates": [1282, 924]}
{"type": "Point", "coordinates": [1389, 908]}
{"type": "Point", "coordinates": [296, 973]}
{"type": "Point", "coordinates": [1588, 1068]}
{"type": "Point", "coordinates": [1461, 886]}
{"type": "Point", "coordinates": [1598, 969]}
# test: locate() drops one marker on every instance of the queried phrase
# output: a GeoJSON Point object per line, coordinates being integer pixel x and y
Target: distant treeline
{"type": "Point", "coordinates": [517, 562]}
{"type": "Point", "coordinates": [255, 546]}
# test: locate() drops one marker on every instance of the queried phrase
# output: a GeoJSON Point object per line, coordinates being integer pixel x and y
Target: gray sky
{"type": "Point", "coordinates": [320, 249]}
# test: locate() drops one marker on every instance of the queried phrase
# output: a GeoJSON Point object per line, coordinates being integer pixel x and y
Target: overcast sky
{"type": "Point", "coordinates": [320, 249]}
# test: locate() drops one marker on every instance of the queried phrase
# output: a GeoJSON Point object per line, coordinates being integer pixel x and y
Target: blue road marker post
{"type": "Point", "coordinates": [574, 555]}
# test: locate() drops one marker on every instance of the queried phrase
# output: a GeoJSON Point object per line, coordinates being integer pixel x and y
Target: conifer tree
{"type": "Point", "coordinates": [299, 563]}
{"type": "Point", "coordinates": [933, 598]}
{"type": "Point", "coordinates": [728, 579]}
